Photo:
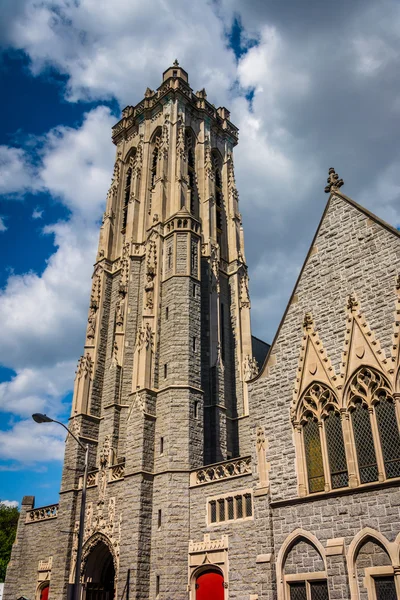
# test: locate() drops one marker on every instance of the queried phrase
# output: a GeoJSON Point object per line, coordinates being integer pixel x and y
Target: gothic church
{"type": "Point", "coordinates": [212, 478]}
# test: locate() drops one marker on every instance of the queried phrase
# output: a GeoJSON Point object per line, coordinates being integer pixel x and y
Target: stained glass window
{"type": "Point", "coordinates": [364, 444]}
{"type": "Point", "coordinates": [313, 452]}
{"type": "Point", "coordinates": [385, 588]}
{"type": "Point", "coordinates": [389, 435]}
{"type": "Point", "coordinates": [336, 451]}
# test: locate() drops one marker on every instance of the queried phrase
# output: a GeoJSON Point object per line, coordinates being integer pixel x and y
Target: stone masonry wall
{"type": "Point", "coordinates": [353, 254]}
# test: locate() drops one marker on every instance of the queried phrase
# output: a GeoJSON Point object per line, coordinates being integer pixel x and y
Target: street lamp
{"type": "Point", "coordinates": [40, 418]}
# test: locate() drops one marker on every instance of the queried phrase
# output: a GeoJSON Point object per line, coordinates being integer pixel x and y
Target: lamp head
{"type": "Point", "coordinates": [39, 418]}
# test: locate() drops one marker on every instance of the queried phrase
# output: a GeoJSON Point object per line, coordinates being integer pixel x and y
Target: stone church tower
{"type": "Point", "coordinates": [209, 480]}
{"type": "Point", "coordinates": [160, 388]}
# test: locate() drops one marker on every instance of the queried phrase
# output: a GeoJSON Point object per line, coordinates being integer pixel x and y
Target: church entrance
{"type": "Point", "coordinates": [210, 586]}
{"type": "Point", "coordinates": [99, 574]}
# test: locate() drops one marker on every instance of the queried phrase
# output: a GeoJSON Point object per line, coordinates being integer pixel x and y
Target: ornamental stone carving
{"type": "Point", "coordinates": [250, 367]}
{"type": "Point", "coordinates": [244, 291]}
{"type": "Point", "coordinates": [333, 181]}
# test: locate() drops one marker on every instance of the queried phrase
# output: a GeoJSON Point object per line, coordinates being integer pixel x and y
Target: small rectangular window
{"type": "Point", "coordinates": [239, 507]}
{"type": "Point", "coordinates": [194, 344]}
{"type": "Point", "coordinates": [248, 505]}
{"type": "Point", "coordinates": [231, 515]}
{"type": "Point", "coordinates": [196, 409]}
{"type": "Point", "coordinates": [161, 445]}
{"type": "Point", "coordinates": [213, 511]}
{"type": "Point", "coordinates": [166, 313]}
{"type": "Point", "coordinates": [221, 510]}
{"type": "Point", "coordinates": [174, 73]}
{"type": "Point", "coordinates": [159, 518]}
{"type": "Point", "coordinates": [165, 371]}
{"type": "Point", "coordinates": [194, 290]}
{"type": "Point", "coordinates": [385, 588]}
{"type": "Point", "coordinates": [298, 591]}
{"type": "Point", "coordinates": [157, 585]}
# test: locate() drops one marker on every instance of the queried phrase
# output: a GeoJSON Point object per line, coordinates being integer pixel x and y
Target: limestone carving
{"type": "Point", "coordinates": [144, 338]}
{"type": "Point", "coordinates": [333, 181]}
{"type": "Point", "coordinates": [263, 466]}
{"type": "Point", "coordinates": [233, 192]}
{"type": "Point", "coordinates": [91, 326]}
{"type": "Point", "coordinates": [215, 263]}
{"type": "Point", "coordinates": [105, 452]}
{"type": "Point", "coordinates": [244, 291]}
{"type": "Point", "coordinates": [151, 265]}
{"type": "Point", "coordinates": [208, 159]}
{"type": "Point", "coordinates": [120, 312]}
{"type": "Point", "coordinates": [164, 141]}
{"type": "Point", "coordinates": [250, 367]}
{"type": "Point", "coordinates": [180, 142]}
{"type": "Point", "coordinates": [123, 284]}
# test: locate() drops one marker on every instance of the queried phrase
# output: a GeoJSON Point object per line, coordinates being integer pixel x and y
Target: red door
{"type": "Point", "coordinates": [210, 586]}
{"type": "Point", "coordinates": [44, 594]}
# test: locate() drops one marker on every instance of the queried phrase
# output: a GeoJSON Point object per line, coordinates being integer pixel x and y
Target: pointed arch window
{"type": "Point", "coordinates": [127, 194]}
{"type": "Point", "coordinates": [324, 450]}
{"type": "Point", "coordinates": [313, 453]}
{"type": "Point", "coordinates": [191, 158]}
{"type": "Point", "coordinates": [336, 452]}
{"type": "Point", "coordinates": [375, 427]}
{"type": "Point", "coordinates": [389, 435]}
{"type": "Point", "coordinates": [218, 191]}
{"type": "Point", "coordinates": [154, 161]}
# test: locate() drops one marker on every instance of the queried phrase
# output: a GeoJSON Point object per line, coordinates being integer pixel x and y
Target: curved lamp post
{"type": "Point", "coordinates": [76, 592]}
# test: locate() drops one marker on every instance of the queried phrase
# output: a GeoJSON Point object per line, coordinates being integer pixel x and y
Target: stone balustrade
{"type": "Point", "coordinates": [117, 471]}
{"type": "Point", "coordinates": [223, 470]}
{"type": "Point", "coordinates": [43, 513]}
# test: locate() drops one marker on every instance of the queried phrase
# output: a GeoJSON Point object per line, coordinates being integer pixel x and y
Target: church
{"type": "Point", "coordinates": [221, 467]}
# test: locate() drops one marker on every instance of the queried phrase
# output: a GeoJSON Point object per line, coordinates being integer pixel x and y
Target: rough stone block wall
{"type": "Point", "coordinates": [32, 545]}
{"type": "Point", "coordinates": [353, 254]}
{"type": "Point", "coordinates": [370, 555]}
{"type": "Point", "coordinates": [303, 558]}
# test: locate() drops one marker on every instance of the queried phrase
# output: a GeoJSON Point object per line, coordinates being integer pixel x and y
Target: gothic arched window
{"type": "Point", "coordinates": [389, 436]}
{"type": "Point", "coordinates": [313, 453]}
{"type": "Point", "coordinates": [191, 159]}
{"type": "Point", "coordinates": [324, 449]}
{"type": "Point", "coordinates": [376, 433]}
{"type": "Point", "coordinates": [154, 160]}
{"type": "Point", "coordinates": [336, 451]}
{"type": "Point", "coordinates": [219, 203]}
{"type": "Point", "coordinates": [127, 193]}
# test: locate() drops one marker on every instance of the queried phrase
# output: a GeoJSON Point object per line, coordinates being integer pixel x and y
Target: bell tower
{"type": "Point", "coordinates": [161, 387]}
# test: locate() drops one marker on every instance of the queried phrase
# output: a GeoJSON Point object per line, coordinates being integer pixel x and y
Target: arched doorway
{"type": "Point", "coordinates": [99, 574]}
{"type": "Point", "coordinates": [44, 591]}
{"type": "Point", "coordinates": [210, 585]}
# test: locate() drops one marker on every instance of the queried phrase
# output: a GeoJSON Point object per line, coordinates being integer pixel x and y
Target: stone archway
{"type": "Point", "coordinates": [98, 572]}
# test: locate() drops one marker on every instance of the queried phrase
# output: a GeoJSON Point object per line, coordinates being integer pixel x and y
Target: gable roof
{"type": "Point", "coordinates": [358, 207]}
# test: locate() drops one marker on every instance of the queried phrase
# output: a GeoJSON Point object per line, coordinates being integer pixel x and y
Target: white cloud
{"type": "Point", "coordinates": [37, 213]}
{"type": "Point", "coordinates": [116, 49]}
{"type": "Point", "coordinates": [3, 226]}
{"type": "Point", "coordinates": [29, 442]}
{"type": "Point", "coordinates": [9, 503]}
{"type": "Point", "coordinates": [16, 171]}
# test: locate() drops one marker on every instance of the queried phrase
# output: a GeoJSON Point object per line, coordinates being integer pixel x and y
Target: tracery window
{"type": "Point", "coordinates": [322, 432]}
{"type": "Point", "coordinates": [217, 164]}
{"type": "Point", "coordinates": [375, 427]}
{"type": "Point", "coordinates": [127, 193]}
{"type": "Point", "coordinates": [190, 146]}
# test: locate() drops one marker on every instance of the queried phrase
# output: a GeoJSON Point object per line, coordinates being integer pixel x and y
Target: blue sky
{"type": "Point", "coordinates": [310, 86]}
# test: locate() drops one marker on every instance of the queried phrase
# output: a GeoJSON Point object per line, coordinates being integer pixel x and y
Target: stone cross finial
{"type": "Point", "coordinates": [176, 64]}
{"type": "Point", "coordinates": [333, 181]}
{"type": "Point", "coordinates": [308, 321]}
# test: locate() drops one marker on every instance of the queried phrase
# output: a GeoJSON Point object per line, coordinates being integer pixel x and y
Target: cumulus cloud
{"type": "Point", "coordinates": [16, 172]}
{"type": "Point", "coordinates": [3, 226]}
{"type": "Point", "coordinates": [29, 444]}
{"type": "Point", "coordinates": [9, 503]}
{"type": "Point", "coordinates": [43, 316]}
{"type": "Point", "coordinates": [315, 86]}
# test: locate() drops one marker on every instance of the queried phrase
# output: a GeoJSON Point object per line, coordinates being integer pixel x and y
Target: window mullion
{"type": "Point", "coordinates": [325, 460]}
{"type": "Point", "coordinates": [377, 444]}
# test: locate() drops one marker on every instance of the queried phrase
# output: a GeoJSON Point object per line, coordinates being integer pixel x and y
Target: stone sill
{"type": "Point", "coordinates": [365, 487]}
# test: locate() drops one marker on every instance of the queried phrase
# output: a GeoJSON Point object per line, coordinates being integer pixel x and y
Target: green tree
{"type": "Point", "coordinates": [8, 528]}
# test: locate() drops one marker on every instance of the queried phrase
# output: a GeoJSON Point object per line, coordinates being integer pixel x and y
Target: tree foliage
{"type": "Point", "coordinates": [8, 528]}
